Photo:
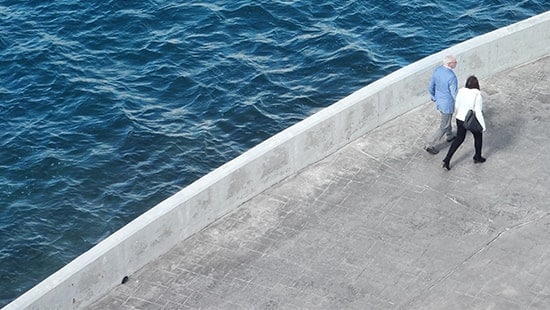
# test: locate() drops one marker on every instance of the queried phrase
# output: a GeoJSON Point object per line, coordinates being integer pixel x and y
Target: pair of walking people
{"type": "Point", "coordinates": [447, 97]}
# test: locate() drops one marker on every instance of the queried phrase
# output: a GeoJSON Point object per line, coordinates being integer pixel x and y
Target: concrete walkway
{"type": "Point", "coordinates": [380, 225]}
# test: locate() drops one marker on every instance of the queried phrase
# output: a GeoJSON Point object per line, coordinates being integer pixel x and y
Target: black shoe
{"type": "Point", "coordinates": [445, 165]}
{"type": "Point", "coordinates": [451, 139]}
{"type": "Point", "coordinates": [479, 160]}
{"type": "Point", "coordinates": [432, 150]}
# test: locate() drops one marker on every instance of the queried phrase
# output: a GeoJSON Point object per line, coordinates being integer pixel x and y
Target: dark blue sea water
{"type": "Point", "coordinates": [109, 107]}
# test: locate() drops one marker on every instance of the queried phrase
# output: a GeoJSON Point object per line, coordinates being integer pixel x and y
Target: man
{"type": "Point", "coordinates": [443, 88]}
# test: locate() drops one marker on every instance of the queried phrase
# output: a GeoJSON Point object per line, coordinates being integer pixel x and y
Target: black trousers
{"type": "Point", "coordinates": [460, 136]}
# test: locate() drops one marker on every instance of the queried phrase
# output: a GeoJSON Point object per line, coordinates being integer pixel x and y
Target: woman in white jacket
{"type": "Point", "coordinates": [467, 98]}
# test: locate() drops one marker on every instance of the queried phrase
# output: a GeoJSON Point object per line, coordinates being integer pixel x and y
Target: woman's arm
{"type": "Point", "coordinates": [479, 111]}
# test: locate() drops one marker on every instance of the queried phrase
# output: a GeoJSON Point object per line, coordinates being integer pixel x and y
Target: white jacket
{"type": "Point", "coordinates": [465, 99]}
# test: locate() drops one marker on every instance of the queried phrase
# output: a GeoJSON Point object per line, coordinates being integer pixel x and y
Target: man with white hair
{"type": "Point", "coordinates": [443, 88]}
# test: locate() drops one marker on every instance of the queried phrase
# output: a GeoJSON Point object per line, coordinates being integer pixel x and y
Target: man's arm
{"type": "Point", "coordinates": [453, 87]}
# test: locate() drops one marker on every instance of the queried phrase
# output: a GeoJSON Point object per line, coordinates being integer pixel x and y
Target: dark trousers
{"type": "Point", "coordinates": [460, 136]}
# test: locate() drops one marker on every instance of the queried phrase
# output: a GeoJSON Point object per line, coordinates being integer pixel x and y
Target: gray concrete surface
{"type": "Point", "coordinates": [380, 225]}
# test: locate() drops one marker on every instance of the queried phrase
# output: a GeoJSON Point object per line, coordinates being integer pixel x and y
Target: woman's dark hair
{"type": "Point", "coordinates": [472, 82]}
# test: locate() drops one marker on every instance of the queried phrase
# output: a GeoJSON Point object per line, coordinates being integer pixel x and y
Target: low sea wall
{"type": "Point", "coordinates": [103, 267]}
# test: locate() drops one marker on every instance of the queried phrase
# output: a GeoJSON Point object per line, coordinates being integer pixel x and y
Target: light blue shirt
{"type": "Point", "coordinates": [443, 89]}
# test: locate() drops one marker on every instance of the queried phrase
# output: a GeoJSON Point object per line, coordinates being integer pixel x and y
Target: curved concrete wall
{"type": "Point", "coordinates": [100, 269]}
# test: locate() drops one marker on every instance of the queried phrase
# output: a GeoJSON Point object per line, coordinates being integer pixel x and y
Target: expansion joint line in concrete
{"type": "Point", "coordinates": [378, 160]}
{"type": "Point", "coordinates": [478, 251]}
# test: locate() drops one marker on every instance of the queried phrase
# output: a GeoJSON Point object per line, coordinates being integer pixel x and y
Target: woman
{"type": "Point", "coordinates": [467, 98]}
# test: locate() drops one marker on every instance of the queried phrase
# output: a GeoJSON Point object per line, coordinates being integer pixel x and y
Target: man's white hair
{"type": "Point", "coordinates": [448, 59]}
